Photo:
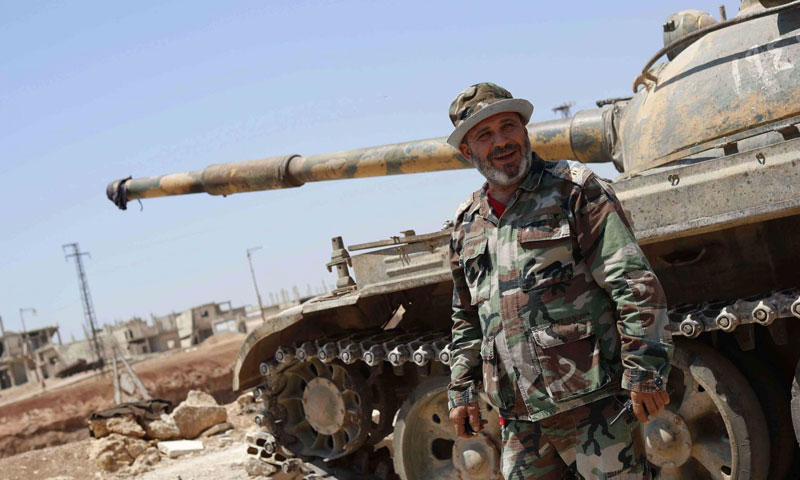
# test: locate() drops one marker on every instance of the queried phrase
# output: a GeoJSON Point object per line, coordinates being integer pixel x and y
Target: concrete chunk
{"type": "Point", "coordinates": [163, 428]}
{"type": "Point", "coordinates": [197, 413]}
{"type": "Point", "coordinates": [176, 448]}
{"type": "Point", "coordinates": [123, 425]}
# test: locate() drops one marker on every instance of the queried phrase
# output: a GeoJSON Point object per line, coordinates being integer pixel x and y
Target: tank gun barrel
{"type": "Point", "coordinates": [581, 137]}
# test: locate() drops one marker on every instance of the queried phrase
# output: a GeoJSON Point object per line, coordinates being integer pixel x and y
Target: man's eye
{"type": "Point", "coordinates": [483, 136]}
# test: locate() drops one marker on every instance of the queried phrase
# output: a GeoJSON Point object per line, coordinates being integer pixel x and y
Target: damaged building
{"type": "Point", "coordinates": [176, 330]}
{"type": "Point", "coordinates": [34, 355]}
{"type": "Point", "coordinates": [199, 323]}
{"type": "Point", "coordinates": [31, 355]}
{"type": "Point", "coordinates": [137, 337]}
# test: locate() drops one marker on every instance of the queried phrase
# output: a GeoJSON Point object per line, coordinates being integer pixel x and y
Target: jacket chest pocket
{"type": "Point", "coordinates": [570, 358]}
{"type": "Point", "coordinates": [544, 249]}
{"type": "Point", "coordinates": [476, 262]}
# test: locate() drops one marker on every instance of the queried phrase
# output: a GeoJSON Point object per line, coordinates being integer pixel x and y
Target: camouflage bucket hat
{"type": "Point", "coordinates": [481, 101]}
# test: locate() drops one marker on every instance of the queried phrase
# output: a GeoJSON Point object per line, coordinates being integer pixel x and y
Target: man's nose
{"type": "Point", "coordinates": [501, 140]}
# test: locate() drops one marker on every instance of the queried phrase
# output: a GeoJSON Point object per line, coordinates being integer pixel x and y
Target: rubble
{"type": "Point", "coordinates": [245, 400]}
{"type": "Point", "coordinates": [197, 413]}
{"type": "Point", "coordinates": [163, 428]}
{"type": "Point", "coordinates": [130, 443]}
{"type": "Point", "coordinates": [145, 461]}
{"type": "Point", "coordinates": [256, 468]}
{"type": "Point", "coordinates": [176, 448]}
{"type": "Point", "coordinates": [123, 425]}
{"type": "Point", "coordinates": [116, 451]}
{"type": "Point", "coordinates": [216, 429]}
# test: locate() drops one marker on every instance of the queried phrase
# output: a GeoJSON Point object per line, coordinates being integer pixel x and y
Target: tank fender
{"type": "Point", "coordinates": [261, 343]}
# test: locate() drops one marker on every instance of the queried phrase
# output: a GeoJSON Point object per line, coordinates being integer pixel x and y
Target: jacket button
{"type": "Point", "coordinates": [658, 381]}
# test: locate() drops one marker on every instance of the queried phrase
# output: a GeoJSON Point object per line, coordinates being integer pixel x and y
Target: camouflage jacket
{"type": "Point", "coordinates": [554, 303]}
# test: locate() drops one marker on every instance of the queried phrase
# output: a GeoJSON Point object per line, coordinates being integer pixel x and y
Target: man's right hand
{"type": "Point", "coordinates": [460, 415]}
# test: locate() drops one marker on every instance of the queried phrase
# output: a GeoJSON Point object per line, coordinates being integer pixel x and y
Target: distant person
{"type": "Point", "coordinates": [555, 309]}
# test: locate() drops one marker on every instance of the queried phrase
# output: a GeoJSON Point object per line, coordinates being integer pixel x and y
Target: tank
{"type": "Point", "coordinates": [353, 383]}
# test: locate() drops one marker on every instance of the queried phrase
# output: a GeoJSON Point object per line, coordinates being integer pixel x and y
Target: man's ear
{"type": "Point", "coordinates": [464, 149]}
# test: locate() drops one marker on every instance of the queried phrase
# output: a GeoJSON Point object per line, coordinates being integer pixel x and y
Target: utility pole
{"type": "Point", "coordinates": [564, 109]}
{"type": "Point", "coordinates": [253, 273]}
{"type": "Point", "coordinates": [73, 251]}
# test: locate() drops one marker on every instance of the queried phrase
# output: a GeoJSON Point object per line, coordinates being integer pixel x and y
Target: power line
{"type": "Point", "coordinates": [86, 297]}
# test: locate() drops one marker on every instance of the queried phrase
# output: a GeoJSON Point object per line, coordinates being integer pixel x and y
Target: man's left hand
{"type": "Point", "coordinates": [653, 402]}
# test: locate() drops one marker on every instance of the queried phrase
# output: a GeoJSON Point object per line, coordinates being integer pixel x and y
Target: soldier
{"type": "Point", "coordinates": [555, 306]}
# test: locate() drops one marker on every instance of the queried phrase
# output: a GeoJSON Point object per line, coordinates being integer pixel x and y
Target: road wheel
{"type": "Point", "coordinates": [426, 446]}
{"type": "Point", "coordinates": [713, 428]}
{"type": "Point", "coordinates": [323, 410]}
{"type": "Point", "coordinates": [774, 400]}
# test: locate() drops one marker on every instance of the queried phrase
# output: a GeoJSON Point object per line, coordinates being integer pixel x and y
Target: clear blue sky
{"type": "Point", "coordinates": [94, 91]}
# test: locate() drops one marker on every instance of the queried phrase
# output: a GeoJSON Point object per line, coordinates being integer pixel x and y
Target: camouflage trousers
{"type": "Point", "coordinates": [544, 450]}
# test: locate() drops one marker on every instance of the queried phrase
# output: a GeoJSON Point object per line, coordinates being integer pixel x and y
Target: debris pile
{"type": "Point", "coordinates": [130, 435]}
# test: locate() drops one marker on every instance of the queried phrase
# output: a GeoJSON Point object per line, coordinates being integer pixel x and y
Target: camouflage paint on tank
{"type": "Point", "coordinates": [724, 84]}
{"type": "Point", "coordinates": [431, 155]}
{"type": "Point", "coordinates": [551, 139]}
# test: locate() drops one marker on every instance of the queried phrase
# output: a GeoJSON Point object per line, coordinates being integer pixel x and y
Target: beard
{"type": "Point", "coordinates": [509, 174]}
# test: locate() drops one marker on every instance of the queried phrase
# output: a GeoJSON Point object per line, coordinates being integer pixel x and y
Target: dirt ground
{"type": "Point", "coordinates": [223, 458]}
{"type": "Point", "coordinates": [36, 419]}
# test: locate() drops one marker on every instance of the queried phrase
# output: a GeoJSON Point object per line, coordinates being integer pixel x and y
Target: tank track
{"type": "Point", "coordinates": [398, 349]}
{"type": "Point", "coordinates": [268, 459]}
{"type": "Point", "coordinates": [727, 316]}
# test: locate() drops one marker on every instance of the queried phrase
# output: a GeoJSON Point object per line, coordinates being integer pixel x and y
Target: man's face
{"type": "Point", "coordinates": [500, 149]}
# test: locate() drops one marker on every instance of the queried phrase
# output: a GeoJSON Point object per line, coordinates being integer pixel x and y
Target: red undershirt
{"type": "Point", "coordinates": [498, 207]}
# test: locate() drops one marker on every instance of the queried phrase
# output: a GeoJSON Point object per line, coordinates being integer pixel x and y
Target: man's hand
{"type": "Point", "coordinates": [460, 415]}
{"type": "Point", "coordinates": [653, 402]}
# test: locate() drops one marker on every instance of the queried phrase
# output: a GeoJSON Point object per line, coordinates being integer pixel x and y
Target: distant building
{"type": "Point", "coordinates": [34, 355]}
{"type": "Point", "coordinates": [175, 330]}
{"type": "Point", "coordinates": [197, 324]}
{"type": "Point", "coordinates": [28, 355]}
{"type": "Point", "coordinates": [136, 337]}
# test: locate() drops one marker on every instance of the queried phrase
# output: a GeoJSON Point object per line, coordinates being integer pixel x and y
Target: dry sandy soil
{"type": "Point", "coordinates": [58, 415]}
{"type": "Point", "coordinates": [222, 459]}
